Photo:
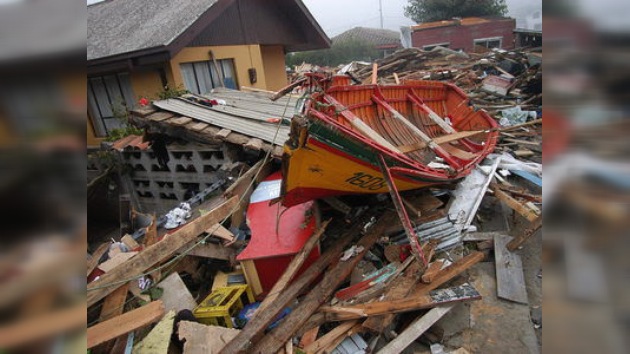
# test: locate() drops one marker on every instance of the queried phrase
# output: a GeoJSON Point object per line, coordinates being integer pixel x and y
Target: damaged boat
{"type": "Point", "coordinates": [353, 139]}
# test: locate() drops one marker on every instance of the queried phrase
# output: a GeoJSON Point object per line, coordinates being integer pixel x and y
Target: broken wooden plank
{"type": "Point", "coordinates": [129, 242]}
{"type": "Point", "coordinates": [158, 340]}
{"type": "Point", "coordinates": [115, 261]}
{"type": "Point", "coordinates": [415, 330]}
{"type": "Point", "coordinates": [327, 339]}
{"type": "Point", "coordinates": [223, 134]}
{"type": "Point", "coordinates": [219, 231]}
{"type": "Point", "coordinates": [309, 337]}
{"type": "Point", "coordinates": [208, 250]}
{"type": "Point", "coordinates": [510, 278]}
{"type": "Point", "coordinates": [156, 253]}
{"type": "Point", "coordinates": [470, 192]}
{"type": "Point", "coordinates": [481, 236]}
{"type": "Point", "coordinates": [197, 127]}
{"type": "Point", "coordinates": [180, 121]}
{"type": "Point", "coordinates": [293, 267]}
{"type": "Point", "coordinates": [332, 279]}
{"type": "Point", "coordinates": [254, 329]}
{"type": "Point", "coordinates": [160, 116]}
{"type": "Point", "coordinates": [517, 206]}
{"type": "Point", "coordinates": [204, 339]}
{"type": "Point", "coordinates": [449, 273]}
{"type": "Point", "coordinates": [399, 290]}
{"type": "Point", "coordinates": [518, 241]}
{"type": "Point", "coordinates": [254, 144]}
{"type": "Point", "coordinates": [96, 256]}
{"type": "Point", "coordinates": [125, 323]}
{"type": "Point", "coordinates": [114, 303]}
{"type": "Point", "coordinates": [464, 292]}
{"type": "Point", "coordinates": [432, 271]}
{"type": "Point", "coordinates": [42, 326]}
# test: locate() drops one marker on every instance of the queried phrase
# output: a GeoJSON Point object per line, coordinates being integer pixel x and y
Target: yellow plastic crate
{"type": "Point", "coordinates": [223, 303]}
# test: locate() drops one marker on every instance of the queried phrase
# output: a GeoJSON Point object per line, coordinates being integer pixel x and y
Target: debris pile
{"type": "Point", "coordinates": [494, 81]}
{"type": "Point", "coordinates": [232, 270]}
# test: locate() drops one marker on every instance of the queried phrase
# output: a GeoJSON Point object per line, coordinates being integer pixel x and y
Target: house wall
{"type": "Point", "coordinates": [274, 65]}
{"type": "Point", "coordinates": [462, 37]}
{"type": "Point", "coordinates": [146, 83]}
{"type": "Point", "coordinates": [244, 56]}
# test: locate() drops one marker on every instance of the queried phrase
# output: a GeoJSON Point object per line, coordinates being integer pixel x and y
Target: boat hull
{"type": "Point", "coordinates": [322, 167]}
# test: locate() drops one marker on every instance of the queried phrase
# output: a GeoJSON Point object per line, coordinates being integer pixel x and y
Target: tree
{"type": "Point", "coordinates": [338, 53]}
{"type": "Point", "coordinates": [436, 10]}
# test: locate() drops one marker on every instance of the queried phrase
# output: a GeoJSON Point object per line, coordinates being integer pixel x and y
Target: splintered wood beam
{"type": "Point", "coordinates": [517, 206]}
{"type": "Point", "coordinates": [96, 256]}
{"type": "Point", "coordinates": [374, 73]}
{"type": "Point", "coordinates": [125, 323]}
{"type": "Point", "coordinates": [275, 339]}
{"type": "Point", "coordinates": [415, 330]}
{"type": "Point", "coordinates": [449, 273]}
{"type": "Point", "coordinates": [294, 266]}
{"type": "Point", "coordinates": [518, 241]}
{"type": "Point", "coordinates": [432, 271]}
{"type": "Point", "coordinates": [465, 292]}
{"type": "Point", "coordinates": [156, 253]}
{"type": "Point", "coordinates": [255, 328]}
{"type": "Point", "coordinates": [114, 303]}
{"type": "Point", "coordinates": [327, 339]}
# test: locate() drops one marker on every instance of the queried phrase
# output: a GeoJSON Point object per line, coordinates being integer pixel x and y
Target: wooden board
{"type": "Point", "coordinates": [124, 323]}
{"type": "Point", "coordinates": [469, 193]}
{"type": "Point", "coordinates": [519, 240]}
{"type": "Point", "coordinates": [208, 250]}
{"type": "Point", "coordinates": [96, 256]}
{"type": "Point", "coordinates": [158, 340]}
{"type": "Point", "coordinates": [114, 303]}
{"type": "Point", "coordinates": [176, 295]}
{"type": "Point", "coordinates": [204, 339]}
{"type": "Point", "coordinates": [115, 261]}
{"type": "Point", "coordinates": [517, 206]}
{"type": "Point", "coordinates": [327, 339]}
{"type": "Point", "coordinates": [432, 271]}
{"type": "Point", "coordinates": [461, 293]}
{"type": "Point", "coordinates": [510, 279]}
{"type": "Point", "coordinates": [156, 253]}
{"type": "Point", "coordinates": [129, 242]}
{"type": "Point", "coordinates": [415, 330]}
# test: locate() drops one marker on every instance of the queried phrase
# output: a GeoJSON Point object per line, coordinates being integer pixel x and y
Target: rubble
{"type": "Point", "coordinates": [394, 297]}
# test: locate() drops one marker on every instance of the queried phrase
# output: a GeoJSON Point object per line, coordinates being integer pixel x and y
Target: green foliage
{"type": "Point", "coordinates": [437, 10]}
{"type": "Point", "coordinates": [168, 92]}
{"type": "Point", "coordinates": [338, 53]}
{"type": "Point", "coordinates": [122, 114]}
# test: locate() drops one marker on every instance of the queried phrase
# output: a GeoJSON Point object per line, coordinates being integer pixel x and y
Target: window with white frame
{"type": "Point", "coordinates": [109, 98]}
{"type": "Point", "coordinates": [432, 46]}
{"type": "Point", "coordinates": [493, 42]}
{"type": "Point", "coordinates": [202, 76]}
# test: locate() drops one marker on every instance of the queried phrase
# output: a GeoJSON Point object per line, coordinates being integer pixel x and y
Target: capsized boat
{"type": "Point", "coordinates": [352, 139]}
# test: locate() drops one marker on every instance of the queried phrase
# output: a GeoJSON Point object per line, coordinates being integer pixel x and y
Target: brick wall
{"type": "Point", "coordinates": [462, 37]}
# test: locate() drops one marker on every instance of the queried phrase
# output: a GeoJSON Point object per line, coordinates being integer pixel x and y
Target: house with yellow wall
{"type": "Point", "coordinates": [137, 48]}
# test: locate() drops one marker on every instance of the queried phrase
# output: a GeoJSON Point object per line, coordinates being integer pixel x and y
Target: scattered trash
{"type": "Point", "coordinates": [351, 252]}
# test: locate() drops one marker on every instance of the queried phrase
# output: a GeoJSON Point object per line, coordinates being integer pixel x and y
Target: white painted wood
{"type": "Point", "coordinates": [415, 330]}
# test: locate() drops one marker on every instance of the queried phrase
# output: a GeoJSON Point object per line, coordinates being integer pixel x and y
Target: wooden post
{"type": "Point", "coordinates": [374, 73]}
{"type": "Point", "coordinates": [415, 330]}
{"type": "Point", "coordinates": [124, 323]}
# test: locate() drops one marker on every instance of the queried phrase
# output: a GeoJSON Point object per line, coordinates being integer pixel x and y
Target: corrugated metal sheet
{"type": "Point", "coordinates": [246, 113]}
